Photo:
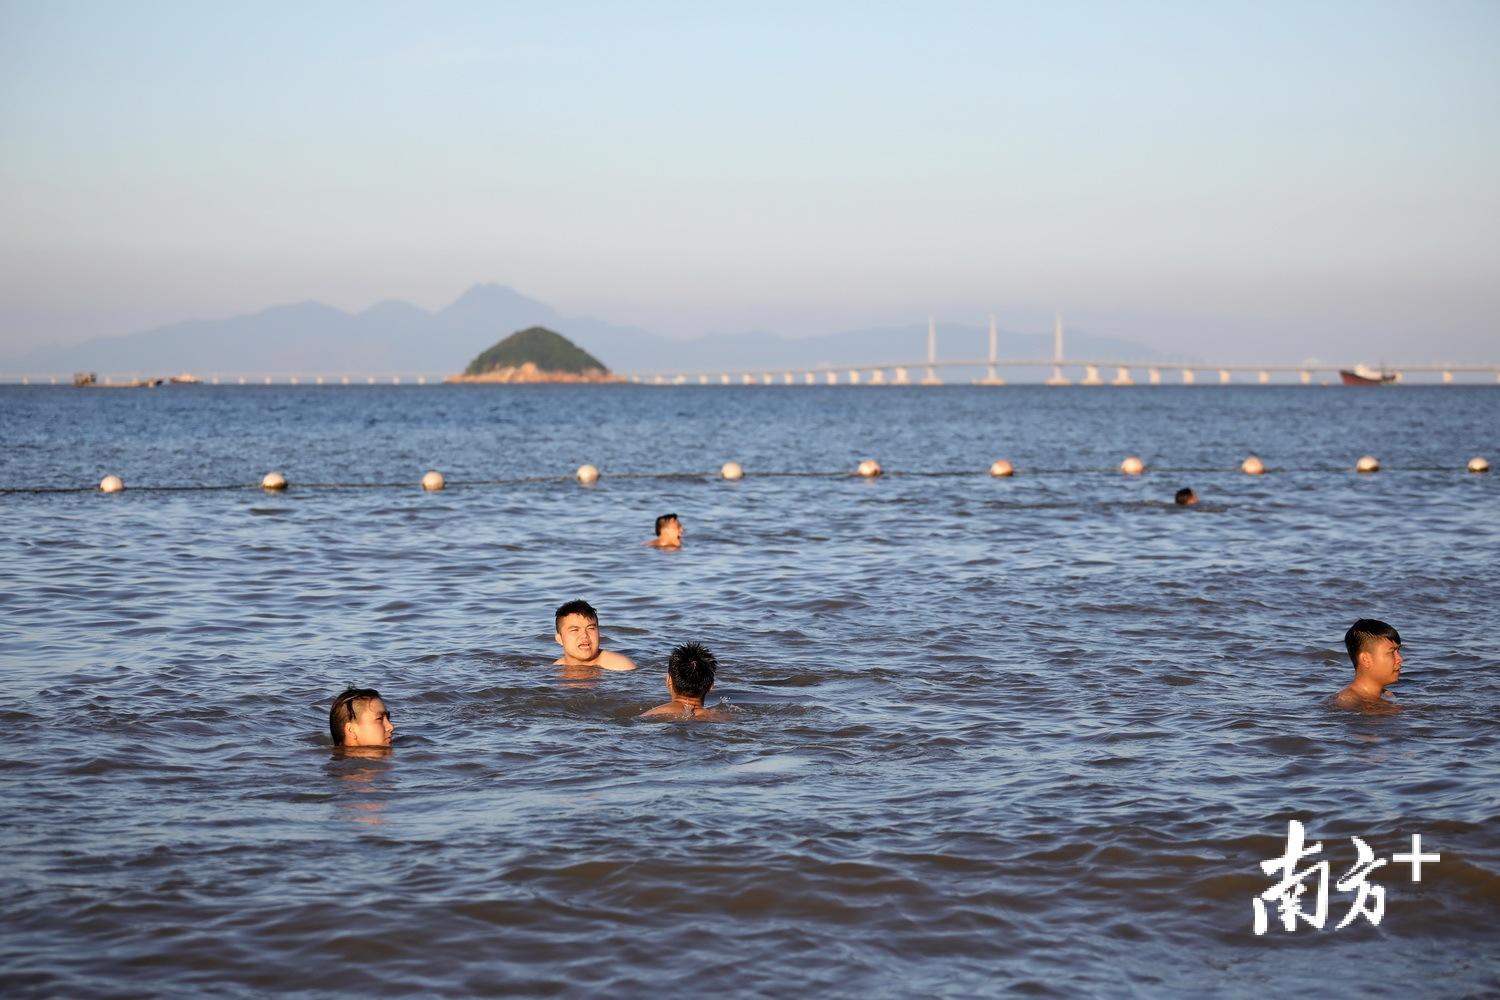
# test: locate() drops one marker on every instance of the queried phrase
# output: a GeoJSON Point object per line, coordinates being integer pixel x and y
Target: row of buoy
{"type": "Point", "coordinates": [869, 469]}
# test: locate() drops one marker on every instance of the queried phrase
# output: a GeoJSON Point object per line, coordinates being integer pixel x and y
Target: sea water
{"type": "Point", "coordinates": [1031, 735]}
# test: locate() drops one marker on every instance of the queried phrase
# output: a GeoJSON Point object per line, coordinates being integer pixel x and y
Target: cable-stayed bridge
{"type": "Point", "coordinates": [1098, 371]}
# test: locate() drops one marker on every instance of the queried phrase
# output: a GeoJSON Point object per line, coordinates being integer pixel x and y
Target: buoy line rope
{"type": "Point", "coordinates": [1023, 472]}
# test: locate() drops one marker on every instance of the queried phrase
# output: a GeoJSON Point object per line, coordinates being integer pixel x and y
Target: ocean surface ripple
{"type": "Point", "coordinates": [1027, 736]}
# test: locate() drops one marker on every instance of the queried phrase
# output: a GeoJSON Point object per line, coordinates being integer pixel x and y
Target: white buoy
{"type": "Point", "coordinates": [869, 468]}
{"type": "Point", "coordinates": [273, 481]}
{"type": "Point", "coordinates": [1002, 468]}
{"type": "Point", "coordinates": [587, 474]}
{"type": "Point", "coordinates": [732, 470]}
{"type": "Point", "coordinates": [1252, 466]}
{"type": "Point", "coordinates": [1367, 463]}
{"type": "Point", "coordinates": [111, 484]}
{"type": "Point", "coordinates": [1132, 466]}
{"type": "Point", "coordinates": [433, 480]}
{"type": "Point", "coordinates": [1479, 464]}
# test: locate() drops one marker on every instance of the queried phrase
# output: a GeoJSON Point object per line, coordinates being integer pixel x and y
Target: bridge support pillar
{"type": "Point", "coordinates": [1090, 376]}
{"type": "Point", "coordinates": [703, 380]}
{"type": "Point", "coordinates": [1223, 376]}
{"type": "Point", "coordinates": [1187, 376]}
{"type": "Point", "coordinates": [877, 377]}
{"type": "Point", "coordinates": [808, 378]}
{"type": "Point", "coordinates": [853, 377]}
{"type": "Point", "coordinates": [902, 377]}
{"type": "Point", "coordinates": [786, 378]}
{"type": "Point", "coordinates": [1122, 376]}
{"type": "Point", "coordinates": [992, 377]}
{"type": "Point", "coordinates": [1153, 375]}
{"type": "Point", "coordinates": [832, 378]}
{"type": "Point", "coordinates": [747, 379]}
{"type": "Point", "coordinates": [1305, 377]}
{"type": "Point", "coordinates": [1057, 377]}
{"type": "Point", "coordinates": [1263, 378]}
{"type": "Point", "coordinates": [1447, 378]}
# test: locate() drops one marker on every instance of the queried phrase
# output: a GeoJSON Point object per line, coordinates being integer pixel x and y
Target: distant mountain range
{"type": "Point", "coordinates": [397, 337]}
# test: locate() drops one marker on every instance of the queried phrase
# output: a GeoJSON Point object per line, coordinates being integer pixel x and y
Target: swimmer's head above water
{"type": "Point", "coordinates": [690, 671]}
{"type": "Point", "coordinates": [578, 634]}
{"type": "Point", "coordinates": [690, 676]}
{"type": "Point", "coordinates": [1185, 497]}
{"type": "Point", "coordinates": [1375, 650]}
{"type": "Point", "coordinates": [668, 532]}
{"type": "Point", "coordinates": [359, 718]}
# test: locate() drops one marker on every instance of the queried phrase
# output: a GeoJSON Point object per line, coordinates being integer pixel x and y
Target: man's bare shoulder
{"type": "Point", "coordinates": [613, 661]}
{"type": "Point", "coordinates": [672, 710]}
{"type": "Point", "coordinates": [1351, 700]}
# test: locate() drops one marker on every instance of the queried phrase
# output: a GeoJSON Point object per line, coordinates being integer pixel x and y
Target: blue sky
{"type": "Point", "coordinates": [1261, 181]}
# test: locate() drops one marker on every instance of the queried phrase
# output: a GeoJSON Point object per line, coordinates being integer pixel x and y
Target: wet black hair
{"type": "Point", "coordinates": [661, 522]}
{"type": "Point", "coordinates": [575, 608]}
{"type": "Point", "coordinates": [1364, 632]}
{"type": "Point", "coordinates": [1184, 495]}
{"type": "Point", "coordinates": [691, 668]}
{"type": "Point", "coordinates": [344, 709]}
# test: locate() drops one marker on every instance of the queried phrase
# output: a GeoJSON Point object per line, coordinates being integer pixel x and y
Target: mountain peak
{"type": "Point", "coordinates": [489, 295]}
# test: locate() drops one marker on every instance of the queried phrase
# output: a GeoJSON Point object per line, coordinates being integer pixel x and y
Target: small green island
{"type": "Point", "coordinates": [535, 354]}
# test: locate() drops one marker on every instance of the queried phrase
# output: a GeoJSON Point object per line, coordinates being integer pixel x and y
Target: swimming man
{"type": "Point", "coordinates": [668, 533]}
{"type": "Point", "coordinates": [578, 635]}
{"type": "Point", "coordinates": [690, 676]}
{"type": "Point", "coordinates": [359, 718]}
{"type": "Point", "coordinates": [1375, 648]}
{"type": "Point", "coordinates": [1185, 497]}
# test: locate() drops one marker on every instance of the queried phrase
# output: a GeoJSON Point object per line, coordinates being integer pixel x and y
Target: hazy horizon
{"type": "Point", "coordinates": [1266, 182]}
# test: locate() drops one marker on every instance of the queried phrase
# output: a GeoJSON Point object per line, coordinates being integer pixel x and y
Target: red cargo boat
{"type": "Point", "coordinates": [1362, 375]}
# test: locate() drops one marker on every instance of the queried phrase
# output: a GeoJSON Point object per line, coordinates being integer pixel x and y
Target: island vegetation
{"type": "Point", "coordinates": [535, 354]}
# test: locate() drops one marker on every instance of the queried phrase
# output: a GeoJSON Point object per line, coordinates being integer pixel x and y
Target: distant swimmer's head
{"type": "Point", "coordinates": [668, 531]}
{"type": "Point", "coordinates": [359, 718]}
{"type": "Point", "coordinates": [1186, 497]}
{"type": "Point", "coordinates": [690, 671]}
{"type": "Point", "coordinates": [578, 630]}
{"type": "Point", "coordinates": [1374, 649]}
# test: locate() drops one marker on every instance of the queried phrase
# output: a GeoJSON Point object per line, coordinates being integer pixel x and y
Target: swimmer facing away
{"type": "Point", "coordinates": [690, 676]}
{"type": "Point", "coordinates": [668, 533]}
{"type": "Point", "coordinates": [1375, 648]}
{"type": "Point", "coordinates": [578, 635]}
{"type": "Point", "coordinates": [1185, 497]}
{"type": "Point", "coordinates": [359, 718]}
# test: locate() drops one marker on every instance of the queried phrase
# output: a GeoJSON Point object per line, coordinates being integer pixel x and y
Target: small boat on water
{"type": "Point", "coordinates": [1364, 375]}
{"type": "Point", "coordinates": [185, 378]}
